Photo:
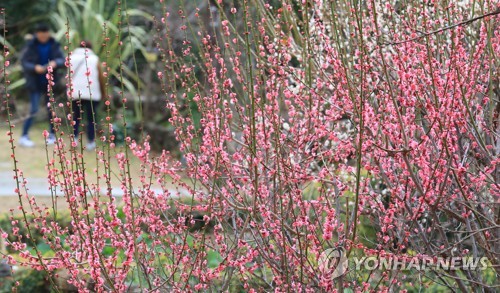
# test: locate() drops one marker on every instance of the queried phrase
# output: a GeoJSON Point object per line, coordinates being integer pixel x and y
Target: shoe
{"type": "Point", "coordinates": [26, 142]}
{"type": "Point", "coordinates": [90, 146]}
{"type": "Point", "coordinates": [51, 139]}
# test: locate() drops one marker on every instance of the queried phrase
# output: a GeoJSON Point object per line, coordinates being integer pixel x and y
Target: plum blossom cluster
{"type": "Point", "coordinates": [332, 124]}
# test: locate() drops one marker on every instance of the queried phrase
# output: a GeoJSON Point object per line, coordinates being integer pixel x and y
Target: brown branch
{"type": "Point", "coordinates": [465, 22]}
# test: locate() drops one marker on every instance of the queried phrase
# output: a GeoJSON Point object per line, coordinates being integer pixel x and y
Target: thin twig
{"type": "Point", "coordinates": [465, 22]}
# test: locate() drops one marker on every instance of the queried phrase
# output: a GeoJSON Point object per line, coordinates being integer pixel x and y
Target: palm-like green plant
{"type": "Point", "coordinates": [100, 22]}
{"type": "Point", "coordinates": [15, 70]}
{"type": "Point", "coordinates": [109, 29]}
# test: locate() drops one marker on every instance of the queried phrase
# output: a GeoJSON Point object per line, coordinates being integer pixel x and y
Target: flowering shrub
{"type": "Point", "coordinates": [369, 126]}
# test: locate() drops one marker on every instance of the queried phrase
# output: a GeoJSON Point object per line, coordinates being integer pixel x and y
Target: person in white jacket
{"type": "Point", "coordinates": [87, 87]}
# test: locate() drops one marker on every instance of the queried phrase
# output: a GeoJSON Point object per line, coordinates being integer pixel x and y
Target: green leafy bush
{"type": "Point", "coordinates": [6, 224]}
{"type": "Point", "coordinates": [29, 281]}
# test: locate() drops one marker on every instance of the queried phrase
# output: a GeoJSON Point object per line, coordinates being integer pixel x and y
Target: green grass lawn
{"type": "Point", "coordinates": [33, 162]}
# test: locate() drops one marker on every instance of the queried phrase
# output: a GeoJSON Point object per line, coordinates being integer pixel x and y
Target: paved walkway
{"type": "Point", "coordinates": [40, 187]}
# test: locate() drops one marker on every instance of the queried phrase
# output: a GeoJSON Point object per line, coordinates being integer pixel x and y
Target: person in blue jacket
{"type": "Point", "coordinates": [40, 52]}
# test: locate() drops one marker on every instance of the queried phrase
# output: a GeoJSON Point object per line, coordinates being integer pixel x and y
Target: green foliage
{"type": "Point", "coordinates": [63, 220]}
{"type": "Point", "coordinates": [21, 15]}
{"type": "Point", "coordinates": [113, 32]}
{"type": "Point", "coordinates": [311, 190]}
{"type": "Point", "coordinates": [120, 131]}
{"type": "Point", "coordinates": [213, 258]}
{"type": "Point", "coordinates": [29, 281]}
{"type": "Point", "coordinates": [116, 33]}
{"type": "Point", "coordinates": [432, 283]}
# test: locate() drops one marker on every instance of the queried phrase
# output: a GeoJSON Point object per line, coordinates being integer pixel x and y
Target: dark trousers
{"type": "Point", "coordinates": [85, 108]}
{"type": "Point", "coordinates": [35, 98]}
